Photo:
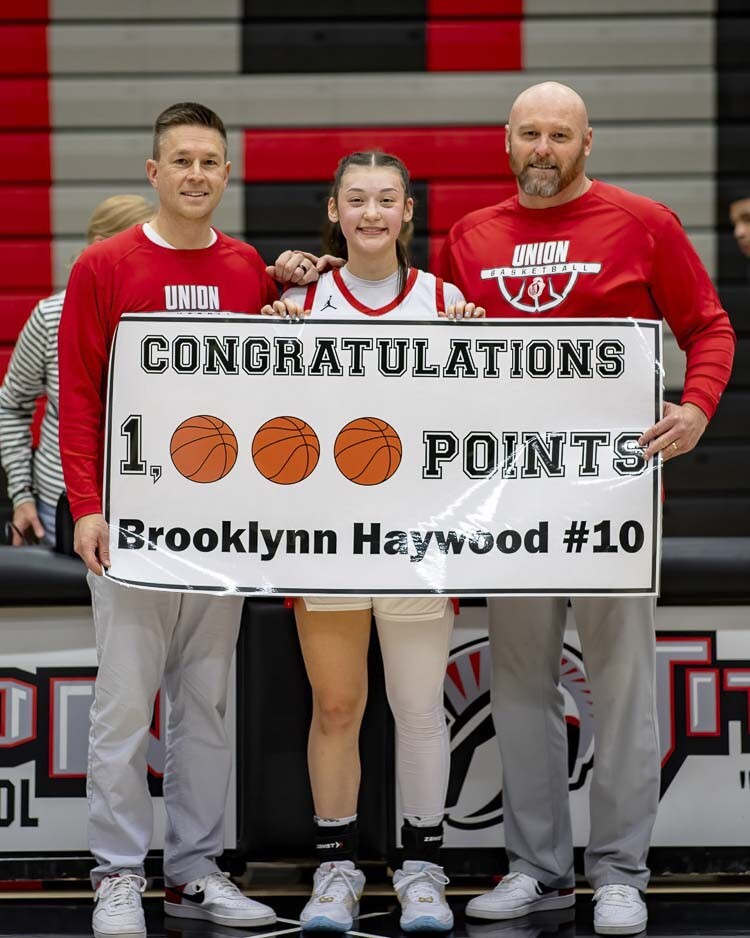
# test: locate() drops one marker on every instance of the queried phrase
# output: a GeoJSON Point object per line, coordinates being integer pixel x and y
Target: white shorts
{"type": "Point", "coordinates": [393, 608]}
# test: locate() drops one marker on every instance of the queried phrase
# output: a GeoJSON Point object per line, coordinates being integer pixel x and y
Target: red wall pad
{"type": "Point", "coordinates": [449, 201]}
{"type": "Point", "coordinates": [467, 8]}
{"type": "Point", "coordinates": [480, 46]}
{"type": "Point", "coordinates": [24, 103]}
{"type": "Point", "coordinates": [5, 354]}
{"type": "Point", "coordinates": [25, 210]}
{"type": "Point", "coordinates": [14, 311]}
{"type": "Point", "coordinates": [23, 50]}
{"type": "Point", "coordinates": [30, 10]}
{"type": "Point", "coordinates": [26, 157]}
{"type": "Point", "coordinates": [27, 265]}
{"type": "Point", "coordinates": [429, 152]}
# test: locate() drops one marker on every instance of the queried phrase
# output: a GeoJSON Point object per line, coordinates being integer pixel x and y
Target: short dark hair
{"type": "Point", "coordinates": [186, 114]}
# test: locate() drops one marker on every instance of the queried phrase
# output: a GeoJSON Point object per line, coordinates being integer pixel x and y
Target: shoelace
{"type": "Point", "coordinates": [513, 879]}
{"type": "Point", "coordinates": [620, 895]}
{"type": "Point", "coordinates": [426, 883]}
{"type": "Point", "coordinates": [337, 882]}
{"type": "Point", "coordinates": [122, 892]}
{"type": "Point", "coordinates": [224, 885]}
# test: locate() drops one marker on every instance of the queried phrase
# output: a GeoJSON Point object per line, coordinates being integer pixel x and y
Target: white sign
{"type": "Point", "coordinates": [383, 457]}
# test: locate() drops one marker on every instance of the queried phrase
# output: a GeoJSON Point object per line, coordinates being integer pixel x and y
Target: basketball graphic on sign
{"type": "Point", "coordinates": [203, 448]}
{"type": "Point", "coordinates": [285, 450]}
{"type": "Point", "coordinates": [367, 451]}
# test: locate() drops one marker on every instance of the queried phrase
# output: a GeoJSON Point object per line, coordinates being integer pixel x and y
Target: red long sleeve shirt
{"type": "Point", "coordinates": [129, 274]}
{"type": "Point", "coordinates": [608, 253]}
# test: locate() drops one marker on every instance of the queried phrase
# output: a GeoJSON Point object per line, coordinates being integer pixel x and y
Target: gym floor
{"type": "Point", "coordinates": [689, 913]}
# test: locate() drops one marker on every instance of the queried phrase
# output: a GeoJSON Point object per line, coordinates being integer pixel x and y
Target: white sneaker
{"type": "Point", "coordinates": [518, 894]}
{"type": "Point", "coordinates": [334, 904]}
{"type": "Point", "coordinates": [619, 910]}
{"type": "Point", "coordinates": [215, 898]}
{"type": "Point", "coordinates": [420, 888]}
{"type": "Point", "coordinates": [118, 909]}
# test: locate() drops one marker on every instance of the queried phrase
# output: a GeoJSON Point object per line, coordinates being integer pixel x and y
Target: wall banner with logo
{"type": "Point", "coordinates": [383, 457]}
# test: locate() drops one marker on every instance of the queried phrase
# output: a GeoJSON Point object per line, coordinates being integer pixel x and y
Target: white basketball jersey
{"type": "Point", "coordinates": [421, 298]}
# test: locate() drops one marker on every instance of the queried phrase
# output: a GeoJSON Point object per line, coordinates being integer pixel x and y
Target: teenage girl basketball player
{"type": "Point", "coordinates": [370, 210]}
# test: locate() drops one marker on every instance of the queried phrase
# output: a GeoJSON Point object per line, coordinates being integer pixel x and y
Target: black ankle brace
{"type": "Point", "coordinates": [422, 843]}
{"type": "Point", "coordinates": [336, 841]}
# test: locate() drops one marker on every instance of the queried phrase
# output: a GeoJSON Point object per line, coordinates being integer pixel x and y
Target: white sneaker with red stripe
{"type": "Point", "coordinates": [118, 910]}
{"type": "Point", "coordinates": [215, 898]}
{"type": "Point", "coordinates": [518, 894]}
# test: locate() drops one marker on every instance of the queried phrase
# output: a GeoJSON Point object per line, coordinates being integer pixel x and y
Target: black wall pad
{"type": "Point", "coordinates": [734, 103]}
{"type": "Point", "coordinates": [706, 516]}
{"type": "Point", "coordinates": [732, 65]}
{"type": "Point", "coordinates": [741, 368]}
{"type": "Point", "coordinates": [36, 576]}
{"type": "Point", "coordinates": [274, 707]}
{"type": "Point", "coordinates": [278, 208]}
{"type": "Point", "coordinates": [733, 37]}
{"type": "Point", "coordinates": [326, 47]}
{"type": "Point", "coordinates": [697, 572]}
{"type": "Point", "coordinates": [711, 467]}
{"type": "Point", "coordinates": [732, 418]}
{"type": "Point", "coordinates": [735, 299]}
{"type": "Point", "coordinates": [733, 265]}
{"type": "Point", "coordinates": [334, 9]}
{"type": "Point", "coordinates": [733, 145]}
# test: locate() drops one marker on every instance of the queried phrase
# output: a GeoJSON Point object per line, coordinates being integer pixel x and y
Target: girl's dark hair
{"type": "Point", "coordinates": [334, 241]}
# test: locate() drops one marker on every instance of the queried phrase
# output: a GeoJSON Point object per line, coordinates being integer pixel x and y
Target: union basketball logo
{"type": "Point", "coordinates": [475, 797]}
{"type": "Point", "coordinates": [540, 275]}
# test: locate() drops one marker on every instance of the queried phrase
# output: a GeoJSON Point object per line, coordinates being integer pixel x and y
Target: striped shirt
{"type": "Point", "coordinates": [32, 372]}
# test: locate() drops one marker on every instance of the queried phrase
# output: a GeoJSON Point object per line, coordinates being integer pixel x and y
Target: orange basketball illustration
{"type": "Point", "coordinates": [285, 450]}
{"type": "Point", "coordinates": [367, 451]}
{"type": "Point", "coordinates": [203, 448]}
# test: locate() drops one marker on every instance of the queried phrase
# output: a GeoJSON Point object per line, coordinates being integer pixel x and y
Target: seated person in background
{"type": "Point", "coordinates": [739, 215]}
{"type": "Point", "coordinates": [35, 480]}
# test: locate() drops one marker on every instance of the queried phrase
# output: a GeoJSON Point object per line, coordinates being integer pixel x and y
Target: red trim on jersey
{"type": "Point", "coordinates": [429, 152]}
{"type": "Point", "coordinates": [310, 295]}
{"type": "Point", "coordinates": [352, 300]}
{"type": "Point", "coordinates": [482, 46]}
{"type": "Point", "coordinates": [439, 295]}
{"type": "Point", "coordinates": [23, 50]}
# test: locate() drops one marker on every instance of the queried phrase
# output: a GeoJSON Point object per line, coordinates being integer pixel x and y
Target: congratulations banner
{"type": "Point", "coordinates": [252, 454]}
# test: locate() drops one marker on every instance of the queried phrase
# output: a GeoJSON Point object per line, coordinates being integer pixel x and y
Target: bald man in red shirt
{"type": "Point", "coordinates": [568, 246]}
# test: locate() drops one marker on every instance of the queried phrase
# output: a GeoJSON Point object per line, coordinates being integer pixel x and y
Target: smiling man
{"type": "Point", "coordinates": [569, 246]}
{"type": "Point", "coordinates": [176, 262]}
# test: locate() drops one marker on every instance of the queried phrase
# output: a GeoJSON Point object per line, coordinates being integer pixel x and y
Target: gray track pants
{"type": "Point", "coordinates": [143, 636]}
{"type": "Point", "coordinates": [618, 643]}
